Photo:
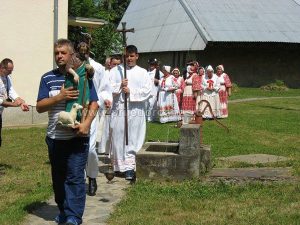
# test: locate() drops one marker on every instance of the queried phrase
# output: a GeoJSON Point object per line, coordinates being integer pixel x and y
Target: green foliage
{"type": "Point", "coordinates": [278, 85]}
{"type": "Point", "coordinates": [235, 88]}
{"type": "Point", "coordinates": [105, 40]}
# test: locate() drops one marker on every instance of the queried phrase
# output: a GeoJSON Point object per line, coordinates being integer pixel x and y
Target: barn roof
{"type": "Point", "coordinates": [178, 25]}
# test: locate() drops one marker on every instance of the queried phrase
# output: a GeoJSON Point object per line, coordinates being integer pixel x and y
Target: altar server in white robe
{"type": "Point", "coordinates": [104, 134]}
{"type": "Point", "coordinates": [155, 76]}
{"type": "Point", "coordinates": [138, 88]}
{"type": "Point", "coordinates": [104, 92]}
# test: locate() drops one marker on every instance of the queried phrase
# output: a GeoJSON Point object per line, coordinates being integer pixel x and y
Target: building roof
{"type": "Point", "coordinates": [178, 25]}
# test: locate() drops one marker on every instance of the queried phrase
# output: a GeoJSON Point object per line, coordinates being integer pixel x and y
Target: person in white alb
{"type": "Point", "coordinates": [104, 124]}
{"type": "Point", "coordinates": [138, 87]}
{"type": "Point", "coordinates": [102, 87]}
{"type": "Point", "coordinates": [155, 75]}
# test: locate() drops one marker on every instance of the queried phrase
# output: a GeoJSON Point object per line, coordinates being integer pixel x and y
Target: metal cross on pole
{"type": "Point", "coordinates": [124, 31]}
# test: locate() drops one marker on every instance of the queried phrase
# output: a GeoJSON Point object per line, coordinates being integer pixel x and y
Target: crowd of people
{"type": "Point", "coordinates": [173, 95]}
{"type": "Point", "coordinates": [159, 94]}
{"type": "Point", "coordinates": [72, 149]}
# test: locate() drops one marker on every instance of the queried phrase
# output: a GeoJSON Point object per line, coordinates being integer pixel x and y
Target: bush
{"type": "Point", "coordinates": [235, 88]}
{"type": "Point", "coordinates": [278, 85]}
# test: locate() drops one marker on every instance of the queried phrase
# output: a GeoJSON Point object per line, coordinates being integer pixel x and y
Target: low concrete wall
{"type": "Point", "coordinates": [13, 117]}
{"type": "Point", "coordinates": [175, 161]}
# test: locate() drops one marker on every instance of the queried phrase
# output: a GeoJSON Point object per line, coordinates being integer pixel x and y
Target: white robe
{"type": "Point", "coordinates": [139, 84]}
{"type": "Point", "coordinates": [152, 101]}
{"type": "Point", "coordinates": [104, 135]}
{"type": "Point", "coordinates": [103, 89]}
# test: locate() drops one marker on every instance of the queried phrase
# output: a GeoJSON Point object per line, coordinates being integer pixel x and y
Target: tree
{"type": "Point", "coordinates": [105, 40]}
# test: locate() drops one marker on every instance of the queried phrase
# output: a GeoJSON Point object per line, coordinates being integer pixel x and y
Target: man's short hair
{"type": "Point", "coordinates": [64, 42]}
{"type": "Point", "coordinates": [116, 56]}
{"type": "Point", "coordinates": [153, 61]}
{"type": "Point", "coordinates": [131, 49]}
{"type": "Point", "coordinates": [4, 62]}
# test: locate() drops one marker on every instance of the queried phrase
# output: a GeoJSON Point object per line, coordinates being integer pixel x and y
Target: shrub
{"type": "Point", "coordinates": [234, 88]}
{"type": "Point", "coordinates": [278, 85]}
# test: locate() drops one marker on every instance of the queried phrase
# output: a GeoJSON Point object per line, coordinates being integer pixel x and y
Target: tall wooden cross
{"type": "Point", "coordinates": [124, 31]}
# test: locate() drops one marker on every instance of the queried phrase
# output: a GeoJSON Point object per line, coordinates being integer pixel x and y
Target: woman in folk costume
{"type": "Point", "coordinates": [197, 85]}
{"type": "Point", "coordinates": [211, 86]}
{"type": "Point", "coordinates": [225, 90]}
{"type": "Point", "coordinates": [180, 82]}
{"type": "Point", "coordinates": [188, 99]}
{"type": "Point", "coordinates": [167, 101]}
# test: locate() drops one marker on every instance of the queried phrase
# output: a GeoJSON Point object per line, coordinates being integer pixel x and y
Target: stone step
{"type": "Point", "coordinates": [256, 173]}
{"type": "Point", "coordinates": [254, 158]}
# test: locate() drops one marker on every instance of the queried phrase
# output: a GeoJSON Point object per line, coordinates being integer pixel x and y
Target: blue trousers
{"type": "Point", "coordinates": [68, 159]}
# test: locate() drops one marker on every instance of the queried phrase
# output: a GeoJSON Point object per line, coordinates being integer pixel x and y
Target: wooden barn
{"type": "Point", "coordinates": [257, 41]}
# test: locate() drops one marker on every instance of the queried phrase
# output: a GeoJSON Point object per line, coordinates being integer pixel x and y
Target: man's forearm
{"type": "Point", "coordinates": [92, 111]}
{"type": "Point", "coordinates": [46, 104]}
{"type": "Point", "coordinates": [9, 104]}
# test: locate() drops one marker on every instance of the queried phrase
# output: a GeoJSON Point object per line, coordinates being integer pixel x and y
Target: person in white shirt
{"type": "Point", "coordinates": [8, 96]}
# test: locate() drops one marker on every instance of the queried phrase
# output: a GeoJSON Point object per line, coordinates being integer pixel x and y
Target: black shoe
{"type": "Point", "coordinates": [119, 174]}
{"type": "Point", "coordinates": [92, 186]}
{"type": "Point", "coordinates": [129, 175]}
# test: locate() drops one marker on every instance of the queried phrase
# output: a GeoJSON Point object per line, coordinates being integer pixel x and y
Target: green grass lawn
{"type": "Point", "coordinates": [24, 173]}
{"type": "Point", "coordinates": [258, 93]}
{"type": "Point", "coordinates": [265, 126]}
{"type": "Point", "coordinates": [191, 202]}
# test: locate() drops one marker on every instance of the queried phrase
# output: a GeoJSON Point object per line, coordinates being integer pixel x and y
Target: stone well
{"type": "Point", "coordinates": [175, 161]}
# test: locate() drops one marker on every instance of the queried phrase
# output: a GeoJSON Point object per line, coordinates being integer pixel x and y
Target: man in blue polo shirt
{"type": "Point", "coordinates": [67, 147]}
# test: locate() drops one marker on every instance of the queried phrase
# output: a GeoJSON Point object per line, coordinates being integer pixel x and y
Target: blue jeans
{"type": "Point", "coordinates": [68, 160]}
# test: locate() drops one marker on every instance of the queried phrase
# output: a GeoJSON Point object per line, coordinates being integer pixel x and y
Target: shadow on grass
{"type": "Point", "coordinates": [4, 167]}
{"type": "Point", "coordinates": [277, 107]}
{"type": "Point", "coordinates": [42, 210]}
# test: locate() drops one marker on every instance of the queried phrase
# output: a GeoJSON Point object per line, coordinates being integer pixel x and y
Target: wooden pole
{"type": "Point", "coordinates": [124, 31]}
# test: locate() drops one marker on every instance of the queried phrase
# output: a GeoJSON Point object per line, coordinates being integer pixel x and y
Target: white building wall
{"type": "Point", "coordinates": [27, 38]}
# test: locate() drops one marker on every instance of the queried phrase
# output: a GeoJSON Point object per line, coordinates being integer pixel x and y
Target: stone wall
{"type": "Point", "coordinates": [13, 117]}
